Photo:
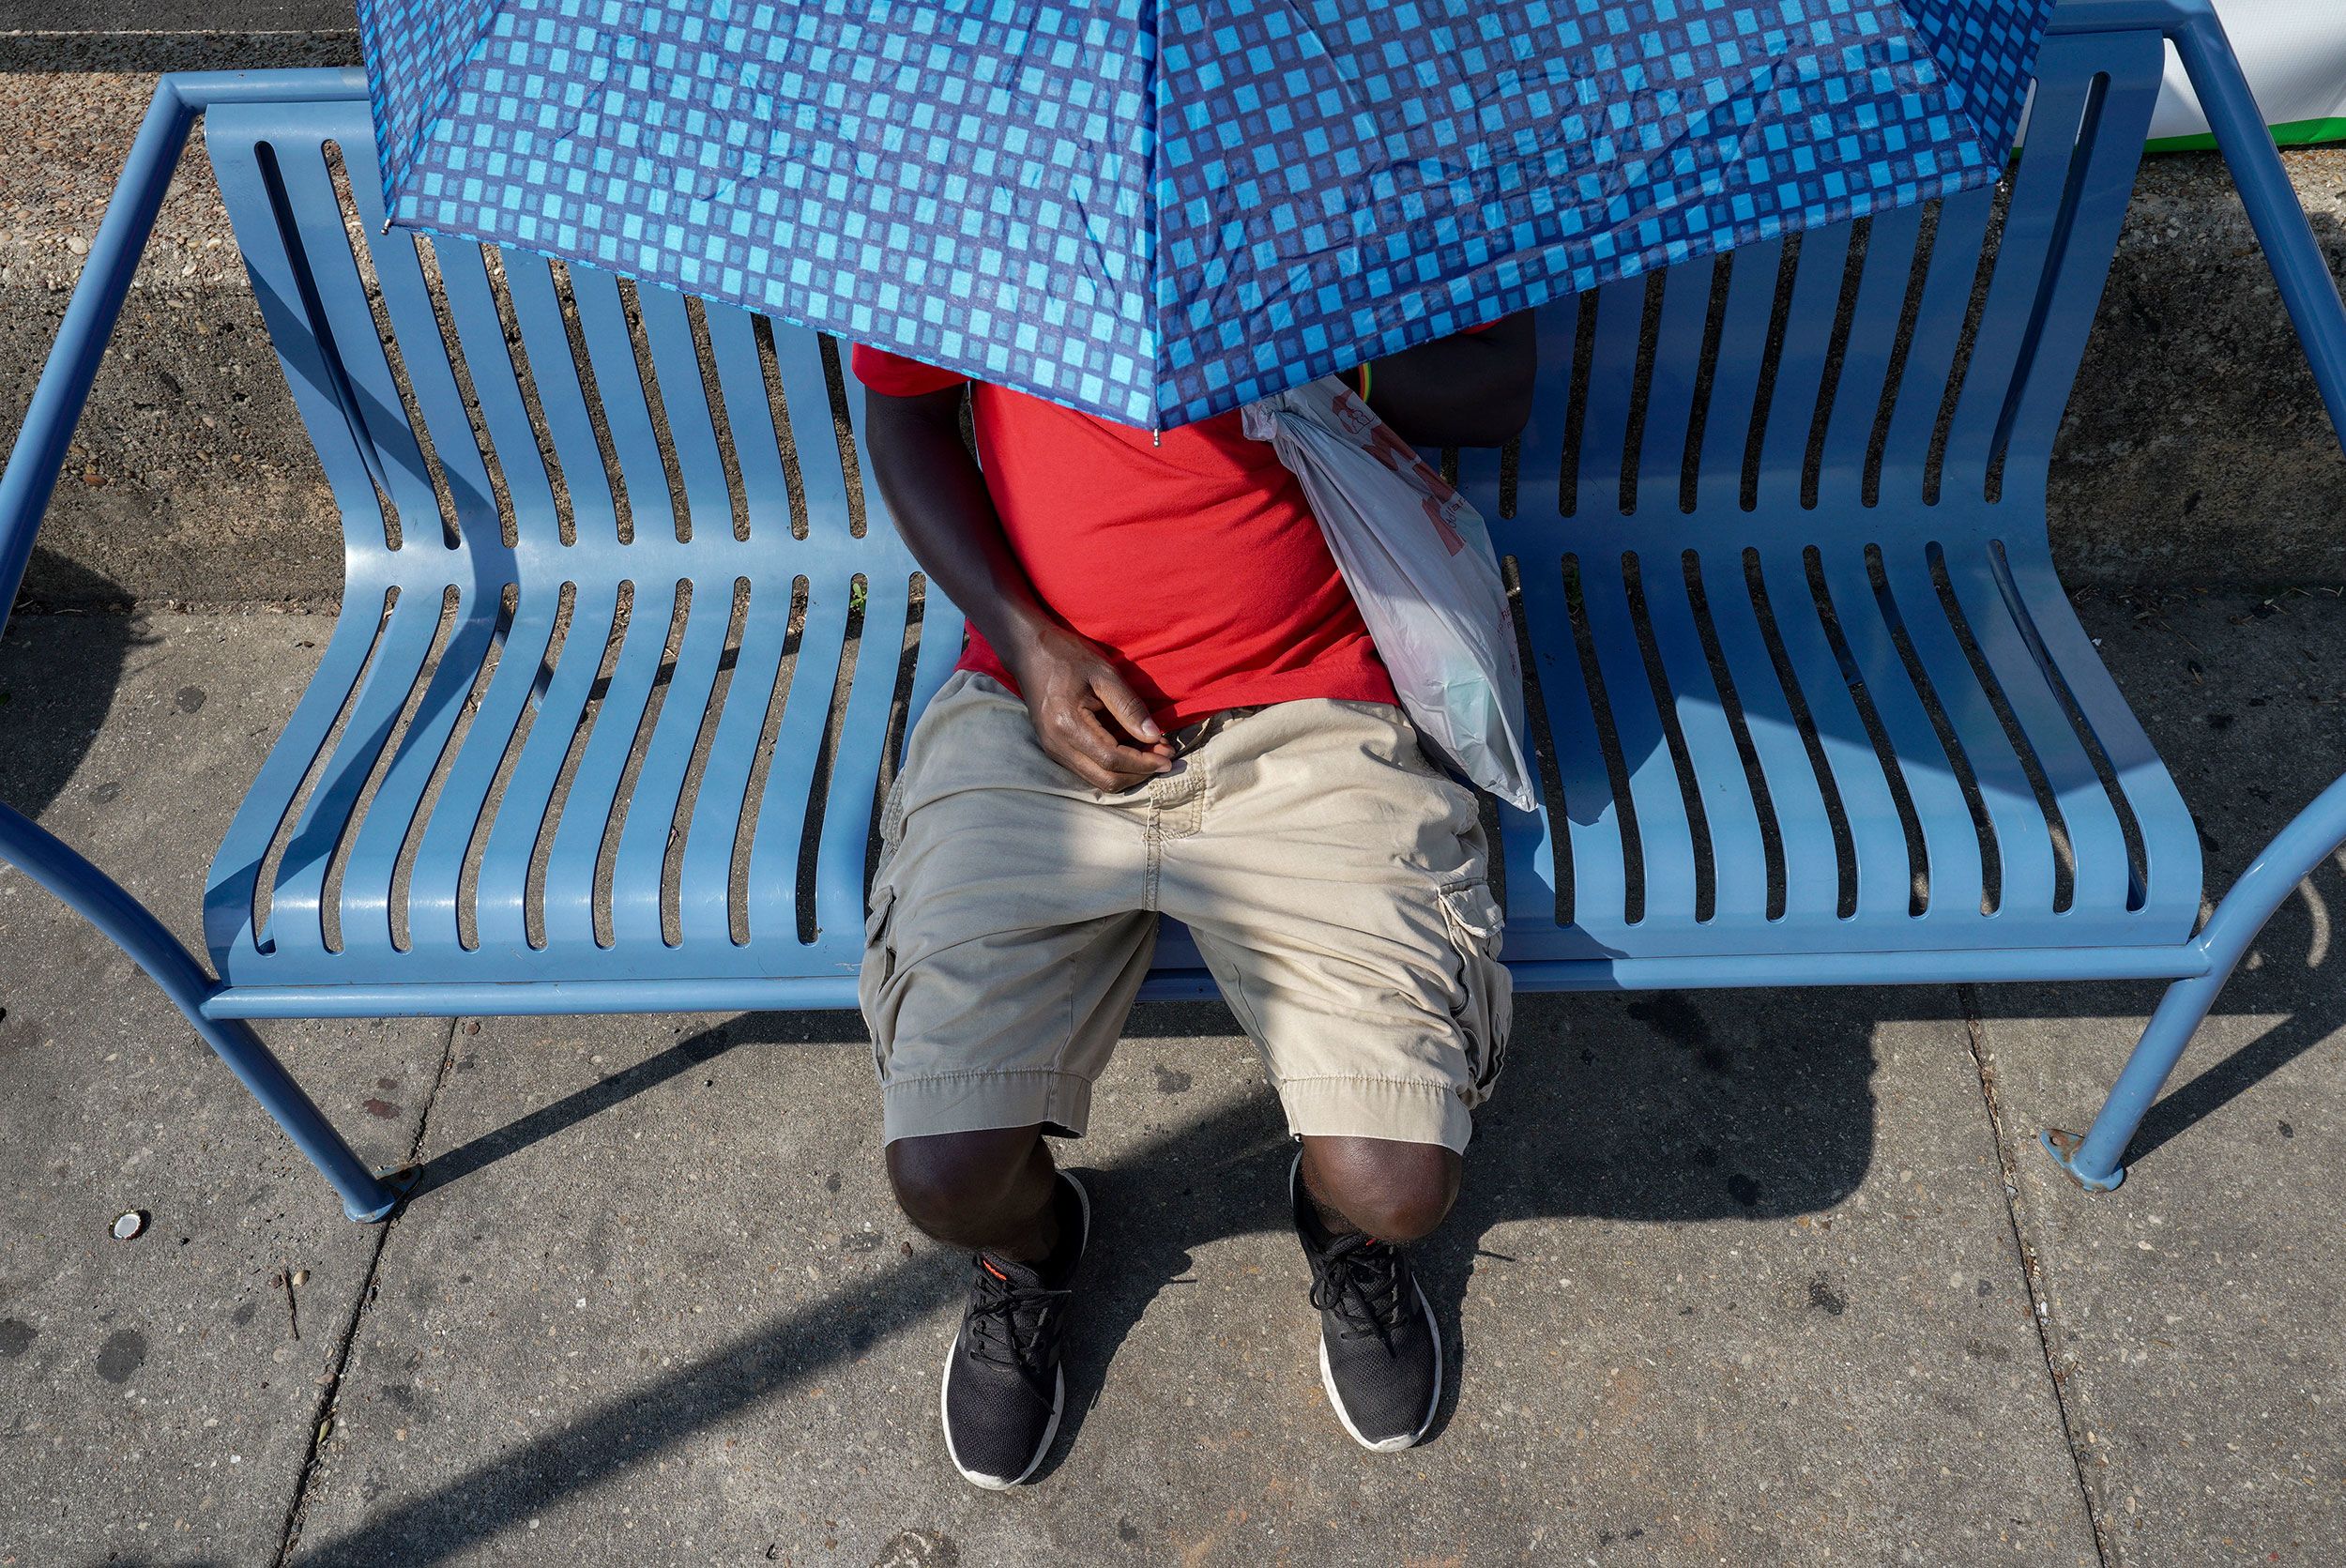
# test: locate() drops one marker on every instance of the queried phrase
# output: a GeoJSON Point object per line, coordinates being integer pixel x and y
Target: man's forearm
{"type": "Point", "coordinates": [1468, 390]}
{"type": "Point", "coordinates": [939, 501]}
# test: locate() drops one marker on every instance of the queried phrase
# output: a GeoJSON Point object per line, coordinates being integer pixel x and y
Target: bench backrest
{"type": "Point", "coordinates": [1834, 380]}
{"type": "Point", "coordinates": [1812, 371]}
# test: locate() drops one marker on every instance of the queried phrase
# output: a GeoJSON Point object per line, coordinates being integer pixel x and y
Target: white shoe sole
{"type": "Point", "coordinates": [1059, 1388]}
{"type": "Point", "coordinates": [1328, 1376]}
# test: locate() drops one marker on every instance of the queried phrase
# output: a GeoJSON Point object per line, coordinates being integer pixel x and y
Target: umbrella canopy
{"type": "Point", "coordinates": [1156, 211]}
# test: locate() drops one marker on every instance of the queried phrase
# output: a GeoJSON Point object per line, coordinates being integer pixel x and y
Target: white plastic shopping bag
{"type": "Point", "coordinates": [1420, 565]}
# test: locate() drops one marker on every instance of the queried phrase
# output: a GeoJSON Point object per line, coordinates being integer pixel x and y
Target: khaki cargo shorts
{"type": "Point", "coordinates": [1335, 882]}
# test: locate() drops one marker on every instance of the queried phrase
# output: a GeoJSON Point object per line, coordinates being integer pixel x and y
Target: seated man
{"type": "Point", "coordinates": [1169, 703]}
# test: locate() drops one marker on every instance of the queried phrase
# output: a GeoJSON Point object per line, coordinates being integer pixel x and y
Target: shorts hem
{"type": "Point", "coordinates": [983, 1101]}
{"type": "Point", "coordinates": [1403, 1110]}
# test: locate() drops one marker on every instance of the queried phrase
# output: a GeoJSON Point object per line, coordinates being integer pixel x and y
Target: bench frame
{"type": "Point", "coordinates": [218, 1011]}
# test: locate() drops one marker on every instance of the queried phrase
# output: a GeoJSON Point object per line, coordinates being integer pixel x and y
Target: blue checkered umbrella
{"type": "Point", "coordinates": [1156, 210]}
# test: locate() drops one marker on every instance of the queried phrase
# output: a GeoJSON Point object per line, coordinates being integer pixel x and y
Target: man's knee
{"type": "Point", "coordinates": [1396, 1192]}
{"type": "Point", "coordinates": [951, 1179]}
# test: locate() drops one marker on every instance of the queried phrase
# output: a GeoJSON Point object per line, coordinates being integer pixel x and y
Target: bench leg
{"type": "Point", "coordinates": [366, 1196]}
{"type": "Point", "coordinates": [103, 902]}
{"type": "Point", "coordinates": [2312, 837]}
{"type": "Point", "coordinates": [2092, 1159]}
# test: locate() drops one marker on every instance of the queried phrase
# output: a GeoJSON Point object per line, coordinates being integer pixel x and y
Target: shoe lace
{"type": "Point", "coordinates": [1361, 1281]}
{"type": "Point", "coordinates": [1011, 1324]}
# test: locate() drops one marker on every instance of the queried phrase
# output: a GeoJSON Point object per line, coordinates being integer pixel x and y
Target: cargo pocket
{"type": "Point", "coordinates": [1485, 1014]}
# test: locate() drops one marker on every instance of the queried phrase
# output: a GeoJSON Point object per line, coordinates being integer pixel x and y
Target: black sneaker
{"type": "Point", "coordinates": [1380, 1348]}
{"type": "Point", "coordinates": [1003, 1387]}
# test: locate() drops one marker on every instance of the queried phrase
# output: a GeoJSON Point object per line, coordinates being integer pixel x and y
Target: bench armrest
{"type": "Point", "coordinates": [2307, 286]}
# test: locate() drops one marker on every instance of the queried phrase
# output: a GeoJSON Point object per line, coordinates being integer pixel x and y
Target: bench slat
{"type": "Point", "coordinates": [436, 881]}
{"type": "Point", "coordinates": [774, 851]}
{"type": "Point", "coordinates": [502, 887]}
{"type": "Point", "coordinates": [593, 805]}
{"type": "Point", "coordinates": [325, 818]}
{"type": "Point", "coordinates": [1752, 273]}
{"type": "Point", "coordinates": [1884, 874]}
{"type": "Point", "coordinates": [2169, 835]}
{"type": "Point", "coordinates": [317, 218]}
{"type": "Point", "coordinates": [705, 892]}
{"type": "Point", "coordinates": [1946, 299]}
{"type": "Point", "coordinates": [373, 862]}
{"type": "Point", "coordinates": [2098, 848]}
{"type": "Point", "coordinates": [863, 734]}
{"type": "Point", "coordinates": [691, 429]}
{"type": "Point", "coordinates": [231, 895]}
{"type": "Point", "coordinates": [1873, 342]}
{"type": "Point", "coordinates": [1730, 814]}
{"type": "Point", "coordinates": [1950, 842]}
{"type": "Point", "coordinates": [637, 871]}
{"type": "Point", "coordinates": [1670, 385]}
{"type": "Point", "coordinates": [627, 417]}
{"type": "Point", "coordinates": [2131, 84]}
{"type": "Point", "coordinates": [806, 402]}
{"type": "Point", "coordinates": [2024, 848]}
{"type": "Point", "coordinates": [1530, 537]}
{"type": "Point", "coordinates": [1811, 325]}
{"type": "Point", "coordinates": [1665, 848]}
{"type": "Point", "coordinates": [282, 291]}
{"type": "Point", "coordinates": [756, 449]}
{"type": "Point", "coordinates": [423, 354]}
{"type": "Point", "coordinates": [480, 331]}
{"type": "Point", "coordinates": [1604, 415]}
{"type": "Point", "coordinates": [1812, 879]}
{"type": "Point", "coordinates": [554, 371]}
{"type": "Point", "coordinates": [2052, 167]}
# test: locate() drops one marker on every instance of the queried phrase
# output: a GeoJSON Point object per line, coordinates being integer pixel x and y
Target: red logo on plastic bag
{"type": "Point", "coordinates": [1353, 415]}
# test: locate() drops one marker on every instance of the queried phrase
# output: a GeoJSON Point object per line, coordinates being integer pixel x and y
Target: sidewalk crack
{"type": "Point", "coordinates": [2032, 1270]}
{"type": "Point", "coordinates": [297, 1508]}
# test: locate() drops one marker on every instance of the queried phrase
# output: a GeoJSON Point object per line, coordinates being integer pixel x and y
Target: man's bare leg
{"type": "Point", "coordinates": [989, 1191]}
{"type": "Point", "coordinates": [1394, 1191]}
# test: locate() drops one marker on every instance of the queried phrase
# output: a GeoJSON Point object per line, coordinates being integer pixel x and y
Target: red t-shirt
{"type": "Point", "coordinates": [1194, 563]}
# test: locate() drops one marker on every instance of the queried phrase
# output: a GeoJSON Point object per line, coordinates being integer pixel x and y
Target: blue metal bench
{"type": "Point", "coordinates": [603, 720]}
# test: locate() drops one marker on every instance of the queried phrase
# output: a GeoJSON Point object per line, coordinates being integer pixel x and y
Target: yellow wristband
{"type": "Point", "coordinates": [1364, 380]}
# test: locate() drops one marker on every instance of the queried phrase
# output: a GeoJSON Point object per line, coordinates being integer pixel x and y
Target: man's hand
{"type": "Point", "coordinates": [1087, 719]}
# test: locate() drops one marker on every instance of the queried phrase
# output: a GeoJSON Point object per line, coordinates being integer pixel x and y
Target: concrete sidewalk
{"type": "Point", "coordinates": [1741, 1277]}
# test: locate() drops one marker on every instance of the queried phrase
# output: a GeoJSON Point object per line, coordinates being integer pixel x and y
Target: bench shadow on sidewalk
{"type": "Point", "coordinates": [1754, 1106]}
